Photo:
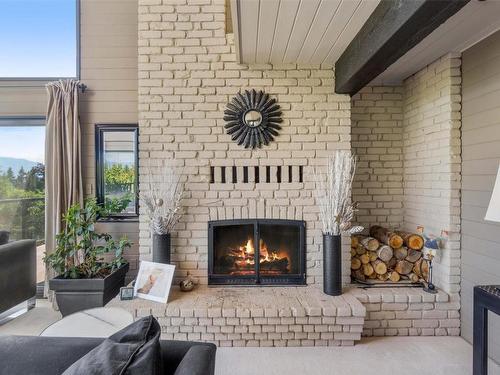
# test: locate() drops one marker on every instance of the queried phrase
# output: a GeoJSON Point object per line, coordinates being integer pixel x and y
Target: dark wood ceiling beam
{"type": "Point", "coordinates": [395, 27]}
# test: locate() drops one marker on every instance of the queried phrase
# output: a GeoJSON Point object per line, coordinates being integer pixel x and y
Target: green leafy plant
{"type": "Point", "coordinates": [114, 205]}
{"type": "Point", "coordinates": [80, 249]}
{"type": "Point", "coordinates": [119, 177]}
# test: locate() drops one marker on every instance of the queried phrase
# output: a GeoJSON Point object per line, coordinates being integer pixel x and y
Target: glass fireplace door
{"type": "Point", "coordinates": [256, 251]}
{"type": "Point", "coordinates": [234, 250]}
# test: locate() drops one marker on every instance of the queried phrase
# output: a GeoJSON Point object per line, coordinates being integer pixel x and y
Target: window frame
{"type": "Point", "coordinates": [25, 121]}
{"type": "Point", "coordinates": [41, 81]}
{"type": "Point", "coordinates": [100, 129]}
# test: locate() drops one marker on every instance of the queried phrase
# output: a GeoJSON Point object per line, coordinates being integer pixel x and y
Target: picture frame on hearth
{"type": "Point", "coordinates": [154, 281]}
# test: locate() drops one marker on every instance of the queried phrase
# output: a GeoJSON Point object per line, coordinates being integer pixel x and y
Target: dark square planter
{"type": "Point", "coordinates": [74, 295]}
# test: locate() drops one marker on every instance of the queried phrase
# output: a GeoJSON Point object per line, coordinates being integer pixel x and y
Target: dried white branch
{"type": "Point", "coordinates": [162, 198]}
{"type": "Point", "coordinates": [333, 188]}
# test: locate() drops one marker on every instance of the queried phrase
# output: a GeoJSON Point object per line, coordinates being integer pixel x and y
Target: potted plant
{"type": "Point", "coordinates": [336, 211]}
{"type": "Point", "coordinates": [90, 267]}
{"type": "Point", "coordinates": [162, 201]}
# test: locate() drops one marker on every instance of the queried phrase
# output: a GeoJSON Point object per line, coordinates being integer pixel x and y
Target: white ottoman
{"type": "Point", "coordinates": [98, 322]}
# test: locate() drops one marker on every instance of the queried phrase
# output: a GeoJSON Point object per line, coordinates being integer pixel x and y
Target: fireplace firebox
{"type": "Point", "coordinates": [256, 252]}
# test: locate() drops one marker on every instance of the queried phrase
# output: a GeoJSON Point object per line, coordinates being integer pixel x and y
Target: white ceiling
{"type": "Point", "coordinates": [302, 31]}
{"type": "Point", "coordinates": [474, 22]}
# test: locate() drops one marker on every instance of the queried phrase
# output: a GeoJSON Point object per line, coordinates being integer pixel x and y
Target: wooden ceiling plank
{"type": "Point", "coordinates": [340, 20]}
{"type": "Point", "coordinates": [286, 17]}
{"type": "Point", "coordinates": [305, 16]}
{"type": "Point", "coordinates": [267, 22]}
{"type": "Point", "coordinates": [361, 14]}
{"type": "Point", "coordinates": [326, 12]}
{"type": "Point", "coordinates": [248, 22]}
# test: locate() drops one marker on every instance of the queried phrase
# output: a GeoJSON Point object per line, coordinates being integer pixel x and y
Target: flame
{"type": "Point", "coordinates": [246, 254]}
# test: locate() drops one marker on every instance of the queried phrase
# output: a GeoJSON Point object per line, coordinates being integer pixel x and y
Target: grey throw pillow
{"type": "Point", "coordinates": [132, 351]}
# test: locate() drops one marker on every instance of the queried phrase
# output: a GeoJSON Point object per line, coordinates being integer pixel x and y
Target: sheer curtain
{"type": "Point", "coordinates": [63, 160]}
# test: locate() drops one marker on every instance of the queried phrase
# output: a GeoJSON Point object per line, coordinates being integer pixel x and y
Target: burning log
{"type": "Point", "coordinates": [275, 265]}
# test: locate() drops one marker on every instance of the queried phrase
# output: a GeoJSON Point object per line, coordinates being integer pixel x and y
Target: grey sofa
{"type": "Point", "coordinates": [52, 355]}
{"type": "Point", "coordinates": [17, 273]}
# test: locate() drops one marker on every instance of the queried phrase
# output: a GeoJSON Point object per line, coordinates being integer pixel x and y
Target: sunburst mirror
{"type": "Point", "coordinates": [252, 119]}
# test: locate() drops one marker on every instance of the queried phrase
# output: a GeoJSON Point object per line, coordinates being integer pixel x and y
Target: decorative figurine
{"type": "Point", "coordinates": [187, 284]}
{"type": "Point", "coordinates": [431, 246]}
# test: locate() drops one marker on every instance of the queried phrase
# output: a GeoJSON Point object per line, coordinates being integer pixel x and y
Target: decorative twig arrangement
{"type": "Point", "coordinates": [336, 210]}
{"type": "Point", "coordinates": [162, 198]}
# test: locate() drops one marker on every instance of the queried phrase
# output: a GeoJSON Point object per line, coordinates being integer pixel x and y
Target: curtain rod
{"type": "Point", "coordinates": [83, 87]}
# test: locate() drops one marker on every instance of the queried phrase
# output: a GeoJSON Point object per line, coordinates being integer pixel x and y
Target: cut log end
{"type": "Point", "coordinates": [355, 263]}
{"type": "Point", "coordinates": [379, 267]}
{"type": "Point", "coordinates": [370, 243]}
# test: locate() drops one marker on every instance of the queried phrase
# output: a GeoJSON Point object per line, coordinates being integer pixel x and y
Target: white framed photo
{"type": "Point", "coordinates": [154, 281]}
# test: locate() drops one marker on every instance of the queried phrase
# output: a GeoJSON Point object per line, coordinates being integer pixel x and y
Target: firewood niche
{"type": "Point", "coordinates": [386, 256]}
{"type": "Point", "coordinates": [234, 258]}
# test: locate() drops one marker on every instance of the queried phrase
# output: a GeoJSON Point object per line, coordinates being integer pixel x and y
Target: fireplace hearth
{"type": "Point", "coordinates": [256, 252]}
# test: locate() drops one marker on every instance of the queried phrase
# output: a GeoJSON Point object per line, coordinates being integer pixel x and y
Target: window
{"type": "Point", "coordinates": [116, 169]}
{"type": "Point", "coordinates": [22, 181]}
{"type": "Point", "coordinates": [38, 39]}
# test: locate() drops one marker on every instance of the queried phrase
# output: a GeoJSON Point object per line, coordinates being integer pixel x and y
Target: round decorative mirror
{"type": "Point", "coordinates": [252, 119]}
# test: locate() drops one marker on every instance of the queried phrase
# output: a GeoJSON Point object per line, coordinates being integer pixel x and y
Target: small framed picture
{"type": "Point", "coordinates": [154, 281]}
{"type": "Point", "coordinates": [126, 293]}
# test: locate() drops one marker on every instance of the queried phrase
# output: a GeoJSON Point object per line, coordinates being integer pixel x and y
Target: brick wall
{"type": "Point", "coordinates": [432, 162]}
{"type": "Point", "coordinates": [408, 143]}
{"type": "Point", "coordinates": [377, 140]}
{"type": "Point", "coordinates": [187, 74]}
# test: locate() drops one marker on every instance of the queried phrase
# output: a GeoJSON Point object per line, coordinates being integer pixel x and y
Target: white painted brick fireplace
{"type": "Point", "coordinates": [407, 139]}
{"type": "Point", "coordinates": [188, 73]}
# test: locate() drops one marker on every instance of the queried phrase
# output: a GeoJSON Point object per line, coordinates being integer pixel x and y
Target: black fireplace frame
{"type": "Point", "coordinates": [258, 279]}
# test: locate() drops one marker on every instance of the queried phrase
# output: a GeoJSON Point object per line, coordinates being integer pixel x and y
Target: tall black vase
{"type": "Point", "coordinates": [161, 248]}
{"type": "Point", "coordinates": [332, 264]}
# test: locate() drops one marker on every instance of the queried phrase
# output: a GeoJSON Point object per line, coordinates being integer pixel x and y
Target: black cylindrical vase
{"type": "Point", "coordinates": [332, 264]}
{"type": "Point", "coordinates": [161, 248]}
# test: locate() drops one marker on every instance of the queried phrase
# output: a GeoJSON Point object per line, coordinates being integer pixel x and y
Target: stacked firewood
{"type": "Point", "coordinates": [386, 255]}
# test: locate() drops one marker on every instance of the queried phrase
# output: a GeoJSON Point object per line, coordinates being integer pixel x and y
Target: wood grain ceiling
{"type": "Point", "coordinates": [296, 31]}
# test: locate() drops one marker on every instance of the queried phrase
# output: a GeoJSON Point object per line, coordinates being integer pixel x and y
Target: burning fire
{"type": "Point", "coordinates": [246, 254]}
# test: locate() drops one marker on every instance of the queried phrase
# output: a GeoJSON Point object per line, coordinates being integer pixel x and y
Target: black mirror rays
{"type": "Point", "coordinates": [252, 119]}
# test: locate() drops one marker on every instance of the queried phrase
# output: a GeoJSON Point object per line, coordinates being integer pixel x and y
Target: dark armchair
{"type": "Point", "coordinates": [17, 273]}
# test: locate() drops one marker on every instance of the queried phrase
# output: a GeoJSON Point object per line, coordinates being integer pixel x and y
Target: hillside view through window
{"type": "Point", "coordinates": [22, 183]}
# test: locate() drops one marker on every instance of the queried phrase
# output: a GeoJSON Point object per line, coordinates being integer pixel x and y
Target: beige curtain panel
{"type": "Point", "coordinates": [63, 168]}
